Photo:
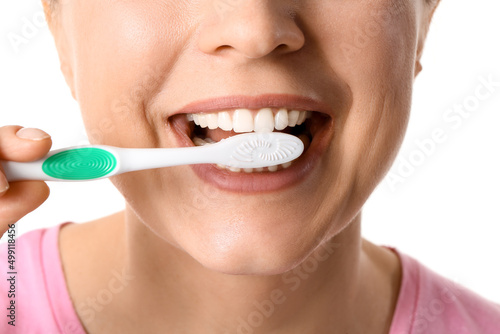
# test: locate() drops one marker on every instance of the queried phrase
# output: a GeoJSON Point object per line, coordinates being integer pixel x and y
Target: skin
{"type": "Point", "coordinates": [199, 258]}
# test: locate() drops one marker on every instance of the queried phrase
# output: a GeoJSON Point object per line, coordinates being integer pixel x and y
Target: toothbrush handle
{"type": "Point", "coordinates": [68, 164]}
{"type": "Point", "coordinates": [134, 159]}
{"type": "Point", "coordinates": [96, 162]}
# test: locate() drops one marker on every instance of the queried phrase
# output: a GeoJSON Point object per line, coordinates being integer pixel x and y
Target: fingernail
{"type": "Point", "coordinates": [4, 185]}
{"type": "Point", "coordinates": [32, 134]}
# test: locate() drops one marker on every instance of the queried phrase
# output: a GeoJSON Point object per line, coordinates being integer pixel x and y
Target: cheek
{"type": "Point", "coordinates": [368, 42]}
{"type": "Point", "coordinates": [123, 50]}
{"type": "Point", "coordinates": [371, 46]}
{"type": "Point", "coordinates": [381, 75]}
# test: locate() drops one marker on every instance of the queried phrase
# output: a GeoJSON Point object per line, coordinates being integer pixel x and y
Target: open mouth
{"type": "Point", "coordinates": [206, 121]}
{"type": "Point", "coordinates": [208, 128]}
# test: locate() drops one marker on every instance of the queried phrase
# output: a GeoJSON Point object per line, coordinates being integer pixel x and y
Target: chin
{"type": "Point", "coordinates": [250, 246]}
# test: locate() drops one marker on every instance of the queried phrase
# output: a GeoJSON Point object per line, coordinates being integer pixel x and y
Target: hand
{"type": "Point", "coordinates": [19, 198]}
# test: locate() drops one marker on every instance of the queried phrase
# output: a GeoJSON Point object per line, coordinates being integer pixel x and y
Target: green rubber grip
{"type": "Point", "coordinates": [86, 163]}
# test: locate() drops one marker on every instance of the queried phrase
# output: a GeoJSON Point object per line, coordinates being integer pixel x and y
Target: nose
{"type": "Point", "coordinates": [251, 28]}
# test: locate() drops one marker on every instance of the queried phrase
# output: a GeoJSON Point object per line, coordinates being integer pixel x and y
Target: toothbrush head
{"type": "Point", "coordinates": [255, 150]}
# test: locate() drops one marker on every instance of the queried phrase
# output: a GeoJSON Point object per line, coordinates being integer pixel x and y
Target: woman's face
{"type": "Point", "coordinates": [136, 68]}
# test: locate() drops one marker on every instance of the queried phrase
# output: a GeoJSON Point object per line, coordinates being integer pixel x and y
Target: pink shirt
{"type": "Point", "coordinates": [427, 302]}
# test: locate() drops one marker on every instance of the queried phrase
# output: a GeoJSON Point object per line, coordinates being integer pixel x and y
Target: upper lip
{"type": "Point", "coordinates": [291, 102]}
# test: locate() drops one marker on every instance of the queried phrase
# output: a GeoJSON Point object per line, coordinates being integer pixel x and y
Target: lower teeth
{"type": "Point", "coordinates": [207, 141]}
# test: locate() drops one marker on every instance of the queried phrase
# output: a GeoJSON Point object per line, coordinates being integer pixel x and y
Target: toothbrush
{"type": "Point", "coordinates": [85, 163]}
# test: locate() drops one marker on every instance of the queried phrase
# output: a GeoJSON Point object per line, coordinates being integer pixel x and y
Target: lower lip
{"type": "Point", "coordinates": [266, 181]}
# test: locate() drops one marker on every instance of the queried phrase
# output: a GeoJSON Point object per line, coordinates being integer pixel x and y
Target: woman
{"type": "Point", "coordinates": [204, 249]}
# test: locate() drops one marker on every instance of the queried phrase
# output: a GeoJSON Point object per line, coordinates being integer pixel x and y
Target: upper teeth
{"type": "Point", "coordinates": [243, 120]}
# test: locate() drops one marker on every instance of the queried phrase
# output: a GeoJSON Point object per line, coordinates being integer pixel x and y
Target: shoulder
{"type": "Point", "coordinates": [23, 254]}
{"type": "Point", "coordinates": [30, 263]}
{"type": "Point", "coordinates": [432, 304]}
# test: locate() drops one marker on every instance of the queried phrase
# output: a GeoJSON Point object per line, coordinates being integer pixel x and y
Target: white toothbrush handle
{"type": "Point", "coordinates": [140, 158]}
{"type": "Point", "coordinates": [97, 162]}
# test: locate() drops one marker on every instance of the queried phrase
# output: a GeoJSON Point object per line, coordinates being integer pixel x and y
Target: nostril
{"type": "Point", "coordinates": [282, 47]}
{"type": "Point", "coordinates": [222, 48]}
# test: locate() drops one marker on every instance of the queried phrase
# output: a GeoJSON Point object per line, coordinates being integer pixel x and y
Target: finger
{"type": "Point", "coordinates": [21, 198]}
{"type": "Point", "coordinates": [23, 144]}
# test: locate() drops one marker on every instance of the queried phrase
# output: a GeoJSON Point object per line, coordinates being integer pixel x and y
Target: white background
{"type": "Point", "coordinates": [445, 214]}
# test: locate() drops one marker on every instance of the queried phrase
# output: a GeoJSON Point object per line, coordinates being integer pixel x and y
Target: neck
{"type": "Point", "coordinates": [327, 291]}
